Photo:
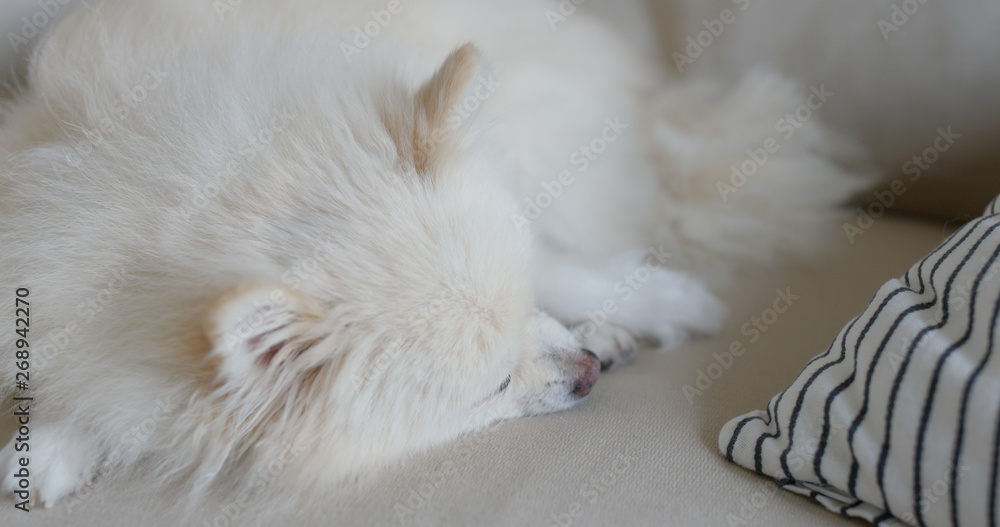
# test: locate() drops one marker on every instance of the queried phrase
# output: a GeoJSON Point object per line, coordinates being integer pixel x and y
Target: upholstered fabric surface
{"type": "Point", "coordinates": [642, 450]}
{"type": "Point", "coordinates": [899, 416]}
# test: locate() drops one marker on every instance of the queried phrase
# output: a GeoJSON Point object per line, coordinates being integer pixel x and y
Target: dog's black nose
{"type": "Point", "coordinates": [586, 379]}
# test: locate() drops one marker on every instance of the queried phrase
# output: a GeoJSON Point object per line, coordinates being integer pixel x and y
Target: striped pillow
{"type": "Point", "coordinates": [900, 418]}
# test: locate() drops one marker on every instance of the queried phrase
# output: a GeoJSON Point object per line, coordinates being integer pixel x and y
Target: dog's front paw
{"type": "Point", "coordinates": [629, 299]}
{"type": "Point", "coordinates": [693, 312]}
{"type": "Point", "coordinates": [611, 343]}
{"type": "Point", "coordinates": [670, 308]}
{"type": "Point", "coordinates": [56, 467]}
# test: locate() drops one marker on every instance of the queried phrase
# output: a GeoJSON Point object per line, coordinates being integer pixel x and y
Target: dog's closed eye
{"type": "Point", "coordinates": [496, 395]}
{"type": "Point", "coordinates": [505, 384]}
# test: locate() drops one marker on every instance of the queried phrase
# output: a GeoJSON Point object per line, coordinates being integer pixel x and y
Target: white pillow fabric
{"type": "Point", "coordinates": [900, 418]}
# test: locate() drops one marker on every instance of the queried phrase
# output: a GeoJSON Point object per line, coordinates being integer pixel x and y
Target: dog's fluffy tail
{"type": "Point", "coordinates": [751, 176]}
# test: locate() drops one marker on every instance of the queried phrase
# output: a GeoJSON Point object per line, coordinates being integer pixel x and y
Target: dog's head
{"type": "Point", "coordinates": [418, 324]}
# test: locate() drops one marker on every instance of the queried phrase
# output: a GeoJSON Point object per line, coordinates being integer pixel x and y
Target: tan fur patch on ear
{"type": "Point", "coordinates": [396, 112]}
{"type": "Point", "coordinates": [436, 98]}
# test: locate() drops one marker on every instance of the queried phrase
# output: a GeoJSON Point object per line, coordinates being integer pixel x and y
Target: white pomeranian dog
{"type": "Point", "coordinates": [358, 229]}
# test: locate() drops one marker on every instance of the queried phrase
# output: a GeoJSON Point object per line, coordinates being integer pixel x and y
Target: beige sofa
{"type": "Point", "coordinates": [642, 450]}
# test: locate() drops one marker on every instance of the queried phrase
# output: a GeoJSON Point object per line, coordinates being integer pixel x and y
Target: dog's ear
{"type": "Point", "coordinates": [258, 328]}
{"type": "Point", "coordinates": [439, 115]}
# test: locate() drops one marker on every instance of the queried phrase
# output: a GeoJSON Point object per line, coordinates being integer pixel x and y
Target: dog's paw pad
{"type": "Point", "coordinates": [612, 344]}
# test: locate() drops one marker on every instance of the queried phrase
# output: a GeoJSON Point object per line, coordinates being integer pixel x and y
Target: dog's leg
{"type": "Point", "coordinates": [609, 307]}
{"type": "Point", "coordinates": [61, 460]}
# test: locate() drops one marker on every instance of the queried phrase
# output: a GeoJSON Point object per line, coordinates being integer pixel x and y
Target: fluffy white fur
{"type": "Point", "coordinates": [290, 245]}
